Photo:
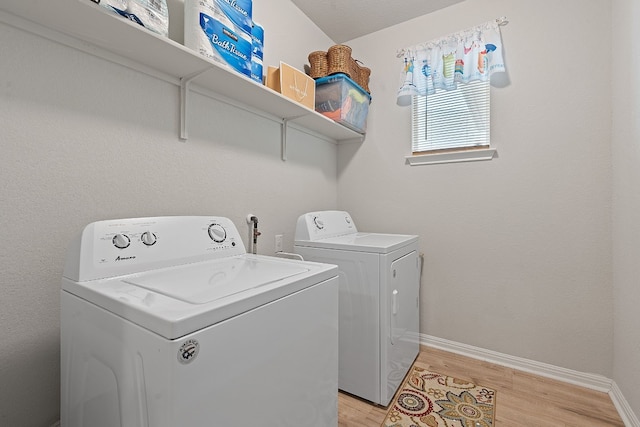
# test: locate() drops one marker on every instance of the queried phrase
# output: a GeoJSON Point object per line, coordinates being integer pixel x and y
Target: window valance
{"type": "Point", "coordinates": [469, 55]}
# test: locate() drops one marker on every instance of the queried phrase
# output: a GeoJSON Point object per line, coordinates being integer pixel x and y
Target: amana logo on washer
{"type": "Point", "coordinates": [188, 351]}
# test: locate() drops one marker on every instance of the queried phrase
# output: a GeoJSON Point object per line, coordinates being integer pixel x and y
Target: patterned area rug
{"type": "Point", "coordinates": [428, 399]}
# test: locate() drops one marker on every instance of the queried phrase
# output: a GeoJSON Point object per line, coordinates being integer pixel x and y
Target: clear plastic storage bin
{"type": "Point", "coordinates": [341, 99]}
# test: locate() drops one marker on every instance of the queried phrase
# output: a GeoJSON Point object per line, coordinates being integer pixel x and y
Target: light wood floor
{"type": "Point", "coordinates": [522, 399]}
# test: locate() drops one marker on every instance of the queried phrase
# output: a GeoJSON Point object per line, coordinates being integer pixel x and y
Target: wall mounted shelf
{"type": "Point", "coordinates": [89, 27]}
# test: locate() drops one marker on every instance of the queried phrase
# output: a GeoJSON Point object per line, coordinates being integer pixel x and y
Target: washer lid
{"type": "Point", "coordinates": [177, 301]}
{"type": "Point", "coordinates": [204, 283]}
{"type": "Point", "coordinates": [362, 242]}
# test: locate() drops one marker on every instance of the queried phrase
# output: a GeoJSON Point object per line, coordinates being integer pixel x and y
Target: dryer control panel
{"type": "Point", "coordinates": [324, 224]}
{"type": "Point", "coordinates": [117, 247]}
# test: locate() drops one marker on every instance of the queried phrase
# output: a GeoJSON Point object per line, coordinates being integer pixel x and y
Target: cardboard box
{"type": "Point", "coordinates": [272, 78]}
{"type": "Point", "coordinates": [292, 83]}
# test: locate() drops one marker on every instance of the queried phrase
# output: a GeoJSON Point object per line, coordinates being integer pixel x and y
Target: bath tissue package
{"type": "Point", "coordinates": [257, 47]}
{"type": "Point", "coordinates": [239, 12]}
{"type": "Point", "coordinates": [256, 69]}
{"type": "Point", "coordinates": [235, 14]}
{"type": "Point", "coordinates": [257, 41]}
{"type": "Point", "coordinates": [151, 14]}
{"type": "Point", "coordinates": [219, 33]}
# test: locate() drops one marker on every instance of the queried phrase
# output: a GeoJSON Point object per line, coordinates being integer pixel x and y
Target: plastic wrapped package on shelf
{"type": "Point", "coordinates": [220, 32]}
{"type": "Point", "coordinates": [151, 14]}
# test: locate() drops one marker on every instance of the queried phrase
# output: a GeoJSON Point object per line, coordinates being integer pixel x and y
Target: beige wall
{"type": "Point", "coordinates": [83, 139]}
{"type": "Point", "coordinates": [626, 199]}
{"type": "Point", "coordinates": [517, 249]}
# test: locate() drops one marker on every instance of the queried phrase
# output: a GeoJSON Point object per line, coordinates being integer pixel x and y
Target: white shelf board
{"type": "Point", "coordinates": [90, 23]}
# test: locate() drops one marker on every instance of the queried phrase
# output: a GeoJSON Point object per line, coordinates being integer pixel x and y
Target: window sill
{"type": "Point", "coordinates": [452, 157]}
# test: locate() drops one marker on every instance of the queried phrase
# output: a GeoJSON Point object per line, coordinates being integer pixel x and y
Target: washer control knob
{"type": "Point", "coordinates": [148, 238]}
{"type": "Point", "coordinates": [217, 233]}
{"type": "Point", "coordinates": [318, 222]}
{"type": "Point", "coordinates": [347, 219]}
{"type": "Point", "coordinates": [121, 241]}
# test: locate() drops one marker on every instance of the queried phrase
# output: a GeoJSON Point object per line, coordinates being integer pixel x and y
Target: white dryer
{"type": "Point", "coordinates": [168, 322]}
{"type": "Point", "coordinates": [379, 300]}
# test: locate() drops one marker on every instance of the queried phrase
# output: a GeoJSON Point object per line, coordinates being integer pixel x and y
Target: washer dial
{"type": "Point", "coordinates": [121, 241]}
{"type": "Point", "coordinates": [148, 238]}
{"type": "Point", "coordinates": [217, 233]}
{"type": "Point", "coordinates": [318, 222]}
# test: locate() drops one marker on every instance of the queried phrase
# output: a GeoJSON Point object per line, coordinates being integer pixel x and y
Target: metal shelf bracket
{"type": "Point", "coordinates": [283, 135]}
{"type": "Point", "coordinates": [184, 101]}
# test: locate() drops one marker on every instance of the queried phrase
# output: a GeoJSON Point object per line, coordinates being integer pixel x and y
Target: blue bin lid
{"type": "Point", "coordinates": [341, 76]}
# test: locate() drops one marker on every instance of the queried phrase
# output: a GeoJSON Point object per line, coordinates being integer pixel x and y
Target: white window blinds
{"type": "Point", "coordinates": [452, 119]}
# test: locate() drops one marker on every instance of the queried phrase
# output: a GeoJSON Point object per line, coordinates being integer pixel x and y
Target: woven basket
{"type": "Point", "coordinates": [363, 77]}
{"type": "Point", "coordinates": [319, 64]}
{"type": "Point", "coordinates": [338, 60]}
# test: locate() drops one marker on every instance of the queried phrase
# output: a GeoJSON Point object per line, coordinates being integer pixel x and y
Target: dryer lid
{"type": "Point", "coordinates": [363, 242]}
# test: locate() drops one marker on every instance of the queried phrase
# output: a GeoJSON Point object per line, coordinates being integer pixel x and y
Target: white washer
{"type": "Point", "coordinates": [379, 300]}
{"type": "Point", "coordinates": [167, 322]}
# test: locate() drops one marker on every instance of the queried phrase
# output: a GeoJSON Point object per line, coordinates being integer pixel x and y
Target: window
{"type": "Point", "coordinates": [452, 126]}
{"type": "Point", "coordinates": [447, 83]}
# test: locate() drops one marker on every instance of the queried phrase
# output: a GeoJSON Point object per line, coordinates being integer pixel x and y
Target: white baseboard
{"type": "Point", "coordinates": [621, 404]}
{"type": "Point", "coordinates": [590, 381]}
